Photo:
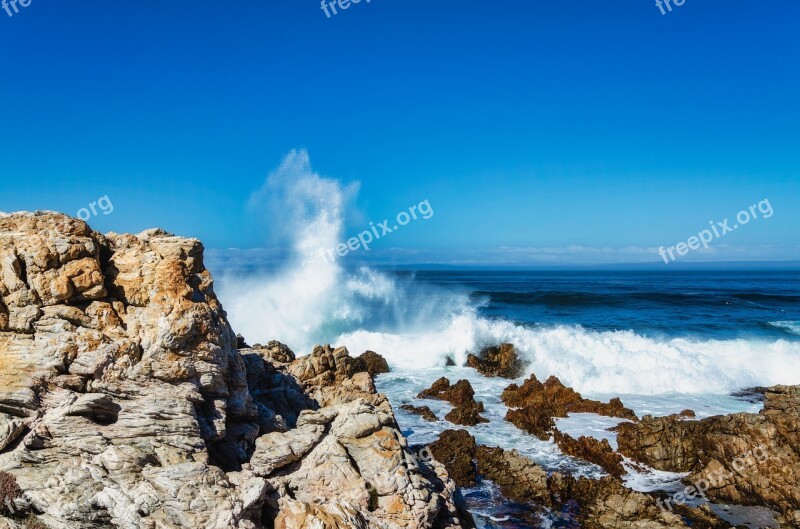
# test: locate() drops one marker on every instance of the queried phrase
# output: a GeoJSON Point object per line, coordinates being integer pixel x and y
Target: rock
{"type": "Point", "coordinates": [275, 352]}
{"type": "Point", "coordinates": [754, 395]}
{"type": "Point", "coordinates": [537, 421]}
{"type": "Point", "coordinates": [362, 463]}
{"type": "Point", "coordinates": [125, 400]}
{"type": "Point", "coordinates": [372, 363]}
{"type": "Point", "coordinates": [742, 458]}
{"type": "Point", "coordinates": [423, 411]}
{"type": "Point", "coordinates": [456, 450]}
{"type": "Point", "coordinates": [331, 376]}
{"type": "Point", "coordinates": [501, 361]}
{"type": "Point", "coordinates": [701, 517]}
{"type": "Point", "coordinates": [590, 449]}
{"type": "Point", "coordinates": [561, 400]}
{"type": "Point", "coordinates": [519, 478]}
{"type": "Point", "coordinates": [533, 405]}
{"type": "Point", "coordinates": [606, 503]}
{"type": "Point", "coordinates": [466, 411]}
{"type": "Point", "coordinates": [689, 414]}
{"type": "Point", "coordinates": [436, 390]}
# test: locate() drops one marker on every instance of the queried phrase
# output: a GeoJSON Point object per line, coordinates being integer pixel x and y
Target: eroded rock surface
{"type": "Point", "coordinates": [423, 411]}
{"type": "Point", "coordinates": [124, 401]}
{"type": "Point", "coordinates": [466, 411]}
{"type": "Point", "coordinates": [743, 458]}
{"type": "Point", "coordinates": [533, 405]}
{"type": "Point", "coordinates": [604, 503]}
{"type": "Point", "coordinates": [501, 361]}
{"type": "Point", "coordinates": [590, 449]}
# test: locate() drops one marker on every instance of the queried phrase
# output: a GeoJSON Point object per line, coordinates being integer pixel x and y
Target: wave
{"type": "Point", "coordinates": [309, 301]}
{"type": "Point", "coordinates": [791, 327]}
{"type": "Point", "coordinates": [613, 299]}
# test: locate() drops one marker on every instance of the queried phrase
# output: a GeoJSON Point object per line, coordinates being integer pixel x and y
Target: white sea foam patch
{"type": "Point", "coordinates": [792, 327]}
{"type": "Point", "coordinates": [599, 362]}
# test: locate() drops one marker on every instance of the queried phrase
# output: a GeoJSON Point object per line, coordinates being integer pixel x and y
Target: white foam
{"type": "Point", "coordinates": [311, 300]}
{"type": "Point", "coordinates": [599, 362]}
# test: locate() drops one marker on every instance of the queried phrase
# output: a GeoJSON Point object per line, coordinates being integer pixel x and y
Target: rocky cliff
{"type": "Point", "coordinates": [124, 402]}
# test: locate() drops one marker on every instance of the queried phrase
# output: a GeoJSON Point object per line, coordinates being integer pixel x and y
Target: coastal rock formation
{"type": "Point", "coordinates": [456, 451]}
{"type": "Point", "coordinates": [466, 410]}
{"type": "Point", "coordinates": [561, 399]}
{"type": "Point", "coordinates": [534, 404]}
{"type": "Point", "coordinates": [604, 503]}
{"type": "Point", "coordinates": [423, 411]}
{"type": "Point", "coordinates": [124, 401]}
{"type": "Point", "coordinates": [372, 363]}
{"type": "Point", "coordinates": [274, 352]}
{"type": "Point", "coordinates": [743, 458]}
{"type": "Point", "coordinates": [501, 361]}
{"type": "Point", "coordinates": [534, 420]}
{"type": "Point", "coordinates": [590, 449]}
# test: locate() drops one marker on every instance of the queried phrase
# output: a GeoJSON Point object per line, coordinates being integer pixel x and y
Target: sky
{"type": "Point", "coordinates": [555, 132]}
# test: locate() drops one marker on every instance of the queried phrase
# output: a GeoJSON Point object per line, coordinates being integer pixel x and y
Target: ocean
{"type": "Point", "coordinates": [663, 341]}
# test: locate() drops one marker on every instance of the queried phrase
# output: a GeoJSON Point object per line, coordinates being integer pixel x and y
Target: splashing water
{"type": "Point", "coordinates": [311, 300]}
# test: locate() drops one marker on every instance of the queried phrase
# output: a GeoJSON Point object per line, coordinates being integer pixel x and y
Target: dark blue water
{"type": "Point", "coordinates": [710, 304]}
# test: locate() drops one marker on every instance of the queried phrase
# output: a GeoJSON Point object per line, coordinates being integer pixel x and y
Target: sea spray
{"type": "Point", "coordinates": [417, 326]}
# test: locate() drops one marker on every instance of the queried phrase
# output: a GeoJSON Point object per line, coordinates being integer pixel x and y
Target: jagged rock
{"type": "Point", "coordinates": [331, 376]}
{"type": "Point", "coordinates": [590, 449]}
{"type": "Point", "coordinates": [533, 405]}
{"type": "Point", "coordinates": [534, 420]}
{"type": "Point", "coordinates": [372, 363]}
{"type": "Point", "coordinates": [364, 462]}
{"type": "Point", "coordinates": [466, 411]}
{"type": "Point", "coordinates": [595, 504]}
{"type": "Point", "coordinates": [275, 352]}
{"type": "Point", "coordinates": [423, 411]}
{"type": "Point", "coordinates": [742, 458]}
{"type": "Point", "coordinates": [500, 361]}
{"type": "Point", "coordinates": [518, 477]}
{"type": "Point", "coordinates": [455, 449]}
{"type": "Point", "coordinates": [607, 504]}
{"type": "Point", "coordinates": [124, 401]}
{"type": "Point", "coordinates": [560, 399]}
{"type": "Point", "coordinates": [701, 517]}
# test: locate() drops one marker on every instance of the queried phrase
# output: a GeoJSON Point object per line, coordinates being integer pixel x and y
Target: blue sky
{"type": "Point", "coordinates": [541, 131]}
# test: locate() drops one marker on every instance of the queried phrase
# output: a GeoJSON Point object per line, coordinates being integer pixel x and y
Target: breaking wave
{"type": "Point", "coordinates": [309, 300]}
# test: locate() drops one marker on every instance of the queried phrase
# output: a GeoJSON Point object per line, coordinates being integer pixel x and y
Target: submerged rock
{"type": "Point", "coordinates": [500, 361]}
